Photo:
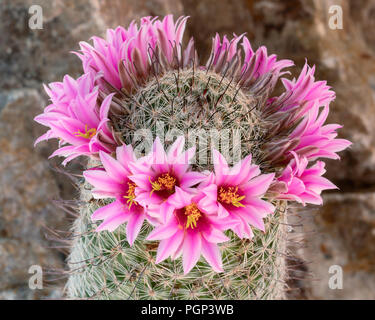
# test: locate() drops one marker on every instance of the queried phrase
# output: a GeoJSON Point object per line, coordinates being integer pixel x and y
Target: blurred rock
{"type": "Point", "coordinates": [27, 182]}
{"type": "Point", "coordinates": [122, 12]}
{"type": "Point", "coordinates": [344, 236]}
{"type": "Point", "coordinates": [363, 13]}
{"type": "Point", "coordinates": [31, 57]}
{"type": "Point", "coordinates": [27, 189]}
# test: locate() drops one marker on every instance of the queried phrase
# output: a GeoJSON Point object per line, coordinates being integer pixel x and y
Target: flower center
{"type": "Point", "coordinates": [229, 195]}
{"type": "Point", "coordinates": [193, 214]}
{"type": "Point", "coordinates": [88, 134]}
{"type": "Point", "coordinates": [164, 182]}
{"type": "Point", "coordinates": [131, 194]}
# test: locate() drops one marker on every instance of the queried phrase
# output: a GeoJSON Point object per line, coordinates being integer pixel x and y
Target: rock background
{"type": "Point", "coordinates": [344, 228]}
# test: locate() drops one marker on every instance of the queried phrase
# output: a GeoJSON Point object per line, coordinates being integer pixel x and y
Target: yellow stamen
{"type": "Point", "coordinates": [88, 134]}
{"type": "Point", "coordinates": [131, 194]}
{"type": "Point", "coordinates": [164, 182]}
{"type": "Point", "coordinates": [230, 196]}
{"type": "Point", "coordinates": [193, 215]}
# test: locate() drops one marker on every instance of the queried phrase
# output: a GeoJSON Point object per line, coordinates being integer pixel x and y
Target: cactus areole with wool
{"type": "Point", "coordinates": [192, 163]}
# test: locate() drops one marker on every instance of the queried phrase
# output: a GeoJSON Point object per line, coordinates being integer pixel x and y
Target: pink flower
{"type": "Point", "coordinates": [317, 140]}
{"type": "Point", "coordinates": [159, 174]}
{"type": "Point", "coordinates": [113, 182]}
{"type": "Point", "coordinates": [191, 231]}
{"type": "Point", "coordinates": [125, 56]}
{"type": "Point", "coordinates": [131, 50]}
{"type": "Point", "coordinates": [297, 183]}
{"type": "Point", "coordinates": [300, 113]}
{"type": "Point", "coordinates": [76, 118]}
{"type": "Point", "coordinates": [236, 192]}
{"type": "Point", "coordinates": [255, 64]}
{"type": "Point", "coordinates": [305, 89]}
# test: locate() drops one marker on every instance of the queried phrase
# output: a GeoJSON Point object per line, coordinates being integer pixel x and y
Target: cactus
{"type": "Point", "coordinates": [139, 88]}
{"type": "Point", "coordinates": [206, 107]}
{"type": "Point", "coordinates": [104, 266]}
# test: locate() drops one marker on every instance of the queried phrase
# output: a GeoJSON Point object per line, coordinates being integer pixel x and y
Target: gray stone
{"type": "Point", "coordinates": [344, 235]}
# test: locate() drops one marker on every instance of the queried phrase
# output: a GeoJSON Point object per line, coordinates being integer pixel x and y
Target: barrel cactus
{"type": "Point", "coordinates": [190, 165]}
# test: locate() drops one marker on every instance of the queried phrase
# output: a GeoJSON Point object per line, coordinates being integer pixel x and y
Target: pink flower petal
{"type": "Point", "coordinates": [134, 225]}
{"type": "Point", "coordinates": [169, 246]}
{"type": "Point", "coordinates": [113, 223]}
{"type": "Point", "coordinates": [262, 207]}
{"type": "Point", "coordinates": [164, 231]}
{"type": "Point", "coordinates": [125, 154]}
{"type": "Point", "coordinates": [215, 236]}
{"type": "Point", "coordinates": [100, 180]}
{"type": "Point", "coordinates": [191, 178]}
{"type": "Point", "coordinates": [180, 198]}
{"type": "Point", "coordinates": [159, 161]}
{"type": "Point", "coordinates": [176, 148]}
{"type": "Point", "coordinates": [220, 166]}
{"type": "Point", "coordinates": [142, 181]}
{"type": "Point", "coordinates": [259, 185]}
{"type": "Point", "coordinates": [311, 197]}
{"type": "Point", "coordinates": [110, 210]}
{"type": "Point", "coordinates": [114, 169]}
{"type": "Point", "coordinates": [191, 250]}
{"type": "Point", "coordinates": [251, 217]}
{"type": "Point", "coordinates": [212, 255]}
{"type": "Point", "coordinates": [222, 212]}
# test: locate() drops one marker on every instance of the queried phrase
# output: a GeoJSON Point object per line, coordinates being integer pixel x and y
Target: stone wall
{"type": "Point", "coordinates": [296, 29]}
